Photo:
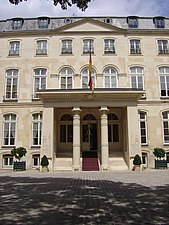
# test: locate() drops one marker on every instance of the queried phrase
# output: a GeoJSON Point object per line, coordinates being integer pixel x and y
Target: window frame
{"type": "Point", "coordinates": [135, 46]}
{"type": "Point", "coordinates": [165, 121]}
{"type": "Point", "coordinates": [109, 47]}
{"type": "Point", "coordinates": [37, 123]}
{"type": "Point", "coordinates": [39, 77]}
{"type": "Point", "coordinates": [164, 82]}
{"type": "Point", "coordinates": [41, 47]}
{"type": "Point", "coordinates": [65, 75]}
{"type": "Point", "coordinates": [163, 46]}
{"type": "Point", "coordinates": [11, 83]}
{"type": "Point", "coordinates": [88, 46]}
{"type": "Point", "coordinates": [85, 77]}
{"type": "Point", "coordinates": [9, 127]}
{"type": "Point", "coordinates": [137, 75]}
{"type": "Point", "coordinates": [14, 48]}
{"type": "Point", "coordinates": [67, 46]}
{"type": "Point", "coordinates": [145, 128]}
{"type": "Point", "coordinates": [110, 76]}
{"type": "Point", "coordinates": [132, 21]}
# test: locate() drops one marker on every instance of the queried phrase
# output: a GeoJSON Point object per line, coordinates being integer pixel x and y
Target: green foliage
{"type": "Point", "coordinates": [44, 161]}
{"type": "Point", "coordinates": [18, 153]}
{"type": "Point", "coordinates": [81, 4]}
{"type": "Point", "coordinates": [137, 160]}
{"type": "Point", "coordinates": [159, 152]}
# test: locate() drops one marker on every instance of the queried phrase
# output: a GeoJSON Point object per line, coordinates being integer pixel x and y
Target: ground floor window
{"type": "Point", "coordinates": [167, 155]}
{"type": "Point", "coordinates": [144, 159]}
{"type": "Point", "coordinates": [7, 161]}
{"type": "Point", "coordinates": [36, 160]}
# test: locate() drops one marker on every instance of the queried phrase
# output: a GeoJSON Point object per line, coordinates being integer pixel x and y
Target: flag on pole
{"type": "Point", "coordinates": [91, 85]}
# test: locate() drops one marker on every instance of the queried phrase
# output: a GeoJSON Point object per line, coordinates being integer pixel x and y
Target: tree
{"type": "Point", "coordinates": [81, 4]}
{"type": "Point", "coordinates": [18, 152]}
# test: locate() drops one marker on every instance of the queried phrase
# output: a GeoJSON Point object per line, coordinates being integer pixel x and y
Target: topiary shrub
{"type": "Point", "coordinates": [159, 152]}
{"type": "Point", "coordinates": [18, 153]}
{"type": "Point", "coordinates": [137, 160]}
{"type": "Point", "coordinates": [44, 161]}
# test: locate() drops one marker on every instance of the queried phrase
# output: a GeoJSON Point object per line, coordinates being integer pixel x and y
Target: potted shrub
{"type": "Point", "coordinates": [44, 164]}
{"type": "Point", "coordinates": [137, 163]}
{"type": "Point", "coordinates": [159, 153]}
{"type": "Point", "coordinates": [18, 153]}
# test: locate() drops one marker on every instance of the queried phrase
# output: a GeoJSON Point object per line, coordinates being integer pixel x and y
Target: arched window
{"type": "Point", "coordinates": [66, 78]}
{"type": "Point", "coordinates": [36, 129]}
{"type": "Point", "coordinates": [166, 127]}
{"type": "Point", "coordinates": [85, 77]}
{"type": "Point", "coordinates": [66, 128]}
{"type": "Point", "coordinates": [11, 84]}
{"type": "Point", "coordinates": [110, 77]}
{"type": "Point", "coordinates": [143, 127]}
{"type": "Point", "coordinates": [164, 81]}
{"type": "Point", "coordinates": [136, 77]}
{"type": "Point", "coordinates": [89, 117]}
{"type": "Point", "coordinates": [39, 80]}
{"type": "Point", "coordinates": [9, 129]}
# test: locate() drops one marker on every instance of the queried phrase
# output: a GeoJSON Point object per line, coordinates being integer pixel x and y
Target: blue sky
{"type": "Point", "coordinates": [36, 8]}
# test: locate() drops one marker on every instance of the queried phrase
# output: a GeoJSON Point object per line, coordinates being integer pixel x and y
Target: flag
{"type": "Point", "coordinates": [91, 85]}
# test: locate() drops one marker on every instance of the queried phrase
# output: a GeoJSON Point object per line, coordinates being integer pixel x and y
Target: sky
{"type": "Point", "coordinates": [36, 8]}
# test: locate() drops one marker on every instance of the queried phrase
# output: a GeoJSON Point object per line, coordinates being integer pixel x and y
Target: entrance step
{"type": "Point", "coordinates": [117, 162]}
{"type": "Point", "coordinates": [90, 161]}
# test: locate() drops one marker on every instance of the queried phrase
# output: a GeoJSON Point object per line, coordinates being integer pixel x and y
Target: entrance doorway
{"type": "Point", "coordinates": [89, 133]}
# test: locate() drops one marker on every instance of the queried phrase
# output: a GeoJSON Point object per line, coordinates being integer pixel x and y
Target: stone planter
{"type": "Point", "coordinates": [160, 164]}
{"type": "Point", "coordinates": [19, 165]}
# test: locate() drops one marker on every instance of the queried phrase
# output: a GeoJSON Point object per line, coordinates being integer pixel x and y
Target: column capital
{"type": "Point", "coordinates": [104, 109]}
{"type": "Point", "coordinates": [76, 109]}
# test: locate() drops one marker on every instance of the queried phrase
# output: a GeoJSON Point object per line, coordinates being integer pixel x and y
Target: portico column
{"type": "Point", "coordinates": [104, 139]}
{"type": "Point", "coordinates": [47, 135]}
{"type": "Point", "coordinates": [76, 138]}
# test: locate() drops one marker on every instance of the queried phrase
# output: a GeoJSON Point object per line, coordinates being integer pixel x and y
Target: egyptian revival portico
{"type": "Point", "coordinates": [99, 106]}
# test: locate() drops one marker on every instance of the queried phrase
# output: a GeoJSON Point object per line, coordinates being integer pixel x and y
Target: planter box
{"type": "Point", "coordinates": [19, 166]}
{"type": "Point", "coordinates": [160, 164]}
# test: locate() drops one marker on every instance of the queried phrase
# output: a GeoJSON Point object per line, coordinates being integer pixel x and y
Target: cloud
{"type": "Point", "coordinates": [36, 8]}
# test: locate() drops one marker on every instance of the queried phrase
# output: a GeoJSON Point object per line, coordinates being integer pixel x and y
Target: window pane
{"type": "Point", "coordinates": [85, 133]}
{"type": "Point", "coordinates": [62, 133]}
{"type": "Point", "coordinates": [115, 133]}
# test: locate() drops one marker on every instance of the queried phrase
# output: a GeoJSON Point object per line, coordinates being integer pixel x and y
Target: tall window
{"type": "Point", "coordinates": [166, 127]}
{"type": "Point", "coordinates": [88, 46]}
{"type": "Point", "coordinates": [132, 21]}
{"type": "Point", "coordinates": [110, 77]}
{"type": "Point", "coordinates": [66, 46]}
{"type": "Point", "coordinates": [11, 84]}
{"type": "Point", "coordinates": [163, 47]}
{"type": "Point", "coordinates": [135, 47]}
{"type": "Point", "coordinates": [36, 129]}
{"type": "Point", "coordinates": [41, 47]}
{"type": "Point", "coordinates": [9, 129]}
{"type": "Point", "coordinates": [14, 48]}
{"type": "Point", "coordinates": [66, 78]}
{"type": "Point", "coordinates": [143, 127]}
{"type": "Point", "coordinates": [159, 22]}
{"type": "Point", "coordinates": [113, 128]}
{"type": "Point", "coordinates": [164, 81]}
{"type": "Point", "coordinates": [66, 128]}
{"type": "Point", "coordinates": [109, 46]}
{"type": "Point", "coordinates": [85, 77]}
{"type": "Point", "coordinates": [39, 80]}
{"type": "Point", "coordinates": [136, 77]}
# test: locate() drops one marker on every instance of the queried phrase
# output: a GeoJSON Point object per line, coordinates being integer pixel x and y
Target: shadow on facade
{"type": "Point", "coordinates": [49, 201]}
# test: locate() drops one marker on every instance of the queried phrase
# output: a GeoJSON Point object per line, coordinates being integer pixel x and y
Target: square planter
{"type": "Point", "coordinates": [19, 166]}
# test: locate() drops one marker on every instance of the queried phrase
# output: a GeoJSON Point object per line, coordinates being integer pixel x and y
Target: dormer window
{"type": "Point", "coordinates": [132, 21]}
{"type": "Point", "coordinates": [17, 23]}
{"type": "Point", "coordinates": [159, 22]}
{"type": "Point", "coordinates": [43, 22]}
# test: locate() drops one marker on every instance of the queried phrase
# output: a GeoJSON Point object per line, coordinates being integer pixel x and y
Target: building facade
{"type": "Point", "coordinates": [47, 107]}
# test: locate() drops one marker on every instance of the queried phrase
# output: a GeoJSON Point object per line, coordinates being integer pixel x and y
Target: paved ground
{"type": "Point", "coordinates": [80, 198]}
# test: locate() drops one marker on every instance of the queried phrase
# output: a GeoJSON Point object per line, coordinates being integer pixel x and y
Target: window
{"type": "Point", "coordinates": [17, 23]}
{"type": "Point", "coordinates": [14, 48]}
{"type": "Point", "coordinates": [143, 127]}
{"type": "Point", "coordinates": [66, 128]}
{"type": "Point", "coordinates": [164, 81]}
{"type": "Point", "coordinates": [36, 160]}
{"type": "Point", "coordinates": [110, 77]}
{"type": "Point", "coordinates": [163, 47]}
{"type": "Point", "coordinates": [36, 129]}
{"type": "Point", "coordinates": [11, 84]}
{"type": "Point", "coordinates": [159, 22]}
{"type": "Point", "coordinates": [166, 127]}
{"type": "Point", "coordinates": [88, 46]}
{"type": "Point", "coordinates": [39, 80]}
{"type": "Point", "coordinates": [144, 159]}
{"type": "Point", "coordinates": [9, 129]}
{"type": "Point", "coordinates": [7, 161]}
{"type": "Point", "coordinates": [43, 22]}
{"type": "Point", "coordinates": [66, 78]}
{"type": "Point", "coordinates": [132, 22]}
{"type": "Point", "coordinates": [66, 46]}
{"type": "Point", "coordinates": [135, 47]}
{"type": "Point", "coordinates": [85, 77]}
{"type": "Point", "coordinates": [41, 48]}
{"type": "Point", "coordinates": [113, 128]}
{"type": "Point", "coordinates": [136, 77]}
{"type": "Point", "coordinates": [109, 46]}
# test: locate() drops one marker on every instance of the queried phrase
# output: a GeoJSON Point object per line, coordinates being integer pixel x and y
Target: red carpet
{"type": "Point", "coordinates": [90, 161]}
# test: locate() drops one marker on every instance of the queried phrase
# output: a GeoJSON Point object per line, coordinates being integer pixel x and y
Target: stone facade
{"type": "Point", "coordinates": [47, 106]}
